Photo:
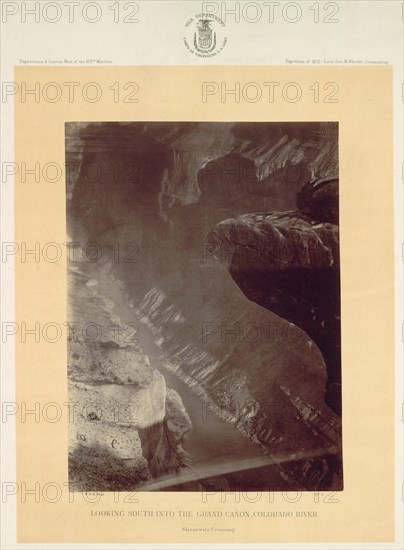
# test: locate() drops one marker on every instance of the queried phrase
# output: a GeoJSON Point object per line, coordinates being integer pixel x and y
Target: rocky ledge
{"type": "Point", "coordinates": [288, 262]}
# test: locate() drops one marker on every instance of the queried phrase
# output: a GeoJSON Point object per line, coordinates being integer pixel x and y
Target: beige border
{"type": "Point", "coordinates": [365, 509]}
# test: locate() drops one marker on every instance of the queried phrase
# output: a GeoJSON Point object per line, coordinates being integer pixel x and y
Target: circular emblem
{"type": "Point", "coordinates": [204, 36]}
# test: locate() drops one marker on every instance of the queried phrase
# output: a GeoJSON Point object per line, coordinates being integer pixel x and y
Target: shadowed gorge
{"type": "Point", "coordinates": [215, 241]}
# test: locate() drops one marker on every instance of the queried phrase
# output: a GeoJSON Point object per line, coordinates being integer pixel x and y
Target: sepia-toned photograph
{"type": "Point", "coordinates": [204, 341]}
{"type": "Point", "coordinates": [201, 266]}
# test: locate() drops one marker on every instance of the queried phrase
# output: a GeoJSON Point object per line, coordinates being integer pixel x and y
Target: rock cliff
{"type": "Point", "coordinates": [288, 262]}
{"type": "Point", "coordinates": [125, 425]}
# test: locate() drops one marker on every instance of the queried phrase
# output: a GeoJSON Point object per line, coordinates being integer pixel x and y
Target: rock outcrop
{"type": "Point", "coordinates": [288, 262]}
{"type": "Point", "coordinates": [125, 425]}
